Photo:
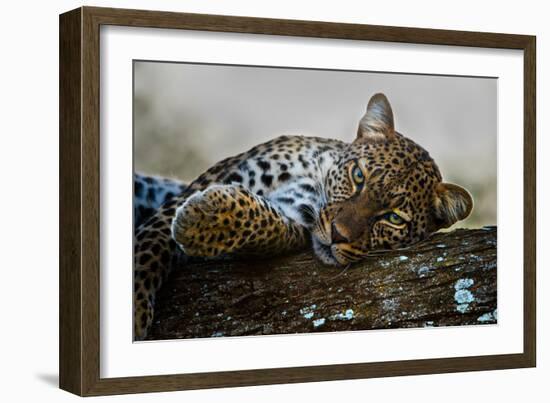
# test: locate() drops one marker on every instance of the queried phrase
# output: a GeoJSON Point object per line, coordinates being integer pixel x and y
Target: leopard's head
{"type": "Point", "coordinates": [385, 192]}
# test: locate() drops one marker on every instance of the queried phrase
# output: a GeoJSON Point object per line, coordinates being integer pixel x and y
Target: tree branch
{"type": "Point", "coordinates": [447, 280]}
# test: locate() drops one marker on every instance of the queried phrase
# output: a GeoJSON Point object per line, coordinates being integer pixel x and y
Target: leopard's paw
{"type": "Point", "coordinates": [213, 222]}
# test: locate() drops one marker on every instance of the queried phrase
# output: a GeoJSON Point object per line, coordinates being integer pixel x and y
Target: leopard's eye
{"type": "Point", "coordinates": [394, 218]}
{"type": "Point", "coordinates": [357, 175]}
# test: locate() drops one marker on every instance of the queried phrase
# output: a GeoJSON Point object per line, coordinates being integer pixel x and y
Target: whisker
{"type": "Point", "coordinates": [350, 255]}
{"type": "Point", "coordinates": [341, 272]}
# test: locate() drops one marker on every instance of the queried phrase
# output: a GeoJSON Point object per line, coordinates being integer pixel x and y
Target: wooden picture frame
{"type": "Point", "coordinates": [80, 184]}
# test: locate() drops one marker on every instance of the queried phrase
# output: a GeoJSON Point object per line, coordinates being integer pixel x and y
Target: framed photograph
{"type": "Point", "coordinates": [249, 201]}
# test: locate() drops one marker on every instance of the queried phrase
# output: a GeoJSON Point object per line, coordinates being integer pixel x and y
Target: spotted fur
{"type": "Point", "coordinates": [151, 192]}
{"type": "Point", "coordinates": [382, 191]}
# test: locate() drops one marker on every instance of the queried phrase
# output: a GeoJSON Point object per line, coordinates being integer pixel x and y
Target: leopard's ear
{"type": "Point", "coordinates": [452, 203]}
{"type": "Point", "coordinates": [377, 123]}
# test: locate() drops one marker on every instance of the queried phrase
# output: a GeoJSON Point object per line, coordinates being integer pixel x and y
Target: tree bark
{"type": "Point", "coordinates": [447, 280]}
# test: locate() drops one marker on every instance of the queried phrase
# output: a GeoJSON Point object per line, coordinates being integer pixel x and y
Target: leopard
{"type": "Point", "coordinates": [151, 192]}
{"type": "Point", "coordinates": [344, 201]}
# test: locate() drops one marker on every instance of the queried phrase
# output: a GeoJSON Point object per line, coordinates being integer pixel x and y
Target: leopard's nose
{"type": "Point", "coordinates": [337, 237]}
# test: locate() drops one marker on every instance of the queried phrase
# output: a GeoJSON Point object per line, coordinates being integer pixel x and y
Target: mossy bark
{"type": "Point", "coordinates": [448, 280]}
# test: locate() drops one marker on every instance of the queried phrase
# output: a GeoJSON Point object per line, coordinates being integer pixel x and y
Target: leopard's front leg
{"type": "Point", "coordinates": [230, 219]}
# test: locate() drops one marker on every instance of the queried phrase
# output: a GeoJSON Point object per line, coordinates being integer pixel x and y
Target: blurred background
{"type": "Point", "coordinates": [189, 116]}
